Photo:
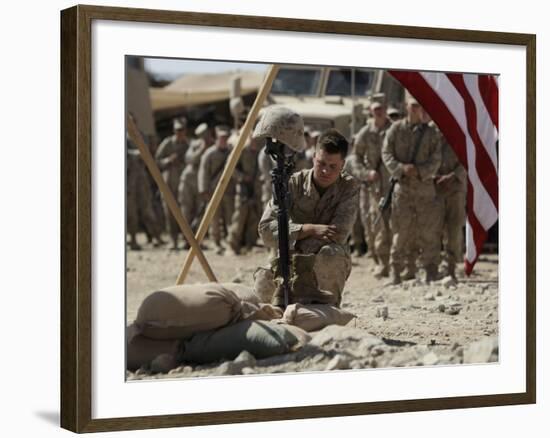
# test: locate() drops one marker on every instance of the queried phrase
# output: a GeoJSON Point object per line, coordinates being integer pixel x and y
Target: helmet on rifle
{"type": "Point", "coordinates": [284, 125]}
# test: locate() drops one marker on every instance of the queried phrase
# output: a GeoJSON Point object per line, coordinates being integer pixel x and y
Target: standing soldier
{"type": "Point", "coordinates": [412, 155]}
{"type": "Point", "coordinates": [170, 157]}
{"type": "Point", "coordinates": [211, 167]}
{"type": "Point", "coordinates": [360, 171]}
{"type": "Point", "coordinates": [248, 203]}
{"type": "Point", "coordinates": [371, 169]}
{"type": "Point", "coordinates": [188, 190]}
{"type": "Point", "coordinates": [450, 184]}
{"type": "Point", "coordinates": [357, 238]}
{"type": "Point", "coordinates": [139, 198]}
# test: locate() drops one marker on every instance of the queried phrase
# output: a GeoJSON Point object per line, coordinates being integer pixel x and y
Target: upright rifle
{"type": "Point", "coordinates": [280, 175]}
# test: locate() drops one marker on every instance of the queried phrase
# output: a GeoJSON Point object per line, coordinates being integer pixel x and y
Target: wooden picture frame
{"type": "Point", "coordinates": [76, 217]}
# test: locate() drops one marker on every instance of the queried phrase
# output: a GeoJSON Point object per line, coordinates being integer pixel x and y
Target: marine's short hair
{"type": "Point", "coordinates": [333, 142]}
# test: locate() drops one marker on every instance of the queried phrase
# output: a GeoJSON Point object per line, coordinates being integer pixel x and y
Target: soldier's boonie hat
{"type": "Point", "coordinates": [201, 129]}
{"type": "Point", "coordinates": [222, 131]}
{"type": "Point", "coordinates": [284, 125]}
{"type": "Point", "coordinates": [180, 123]}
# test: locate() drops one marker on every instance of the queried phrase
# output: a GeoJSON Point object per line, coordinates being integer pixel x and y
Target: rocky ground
{"type": "Point", "coordinates": [412, 324]}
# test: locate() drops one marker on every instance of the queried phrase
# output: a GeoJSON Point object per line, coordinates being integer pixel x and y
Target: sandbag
{"type": "Point", "coordinates": [312, 317]}
{"type": "Point", "coordinates": [245, 293]}
{"type": "Point", "coordinates": [260, 338]}
{"type": "Point", "coordinates": [141, 351]}
{"type": "Point", "coordinates": [180, 311]}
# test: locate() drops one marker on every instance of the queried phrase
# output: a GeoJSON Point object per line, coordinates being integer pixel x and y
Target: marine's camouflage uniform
{"type": "Point", "coordinates": [452, 196]}
{"type": "Point", "coordinates": [368, 150]}
{"type": "Point", "coordinates": [414, 204]}
{"type": "Point", "coordinates": [337, 206]}
{"type": "Point", "coordinates": [211, 168]}
{"type": "Point", "coordinates": [171, 172]}
{"type": "Point", "coordinates": [248, 201]}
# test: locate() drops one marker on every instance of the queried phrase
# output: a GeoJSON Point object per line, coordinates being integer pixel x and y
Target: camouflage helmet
{"type": "Point", "coordinates": [283, 124]}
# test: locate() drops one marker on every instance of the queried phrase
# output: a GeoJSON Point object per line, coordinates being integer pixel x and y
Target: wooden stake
{"type": "Point", "coordinates": [168, 197]}
{"type": "Point", "coordinates": [229, 168]}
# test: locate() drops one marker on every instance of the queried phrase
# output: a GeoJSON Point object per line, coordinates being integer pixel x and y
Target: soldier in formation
{"type": "Point", "coordinates": [248, 199]}
{"type": "Point", "coordinates": [412, 154]}
{"type": "Point", "coordinates": [211, 166]}
{"type": "Point", "coordinates": [170, 157]}
{"type": "Point", "coordinates": [139, 199]}
{"type": "Point", "coordinates": [450, 184]}
{"type": "Point", "coordinates": [188, 191]}
{"type": "Point", "coordinates": [371, 171]}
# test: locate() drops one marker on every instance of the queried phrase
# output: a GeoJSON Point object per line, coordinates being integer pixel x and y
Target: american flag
{"type": "Point", "coordinates": [465, 107]}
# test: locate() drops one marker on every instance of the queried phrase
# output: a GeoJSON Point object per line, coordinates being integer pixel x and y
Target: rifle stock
{"type": "Point", "coordinates": [385, 201]}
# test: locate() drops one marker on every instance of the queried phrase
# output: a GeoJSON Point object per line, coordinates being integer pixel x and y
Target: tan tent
{"type": "Point", "coordinates": [198, 89]}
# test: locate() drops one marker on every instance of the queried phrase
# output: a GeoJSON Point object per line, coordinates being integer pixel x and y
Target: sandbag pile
{"type": "Point", "coordinates": [203, 323]}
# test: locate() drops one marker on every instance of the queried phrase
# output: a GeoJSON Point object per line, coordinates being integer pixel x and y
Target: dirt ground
{"type": "Point", "coordinates": [407, 325]}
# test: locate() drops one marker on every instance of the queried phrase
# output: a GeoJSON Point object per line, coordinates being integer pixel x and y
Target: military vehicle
{"type": "Point", "coordinates": [327, 97]}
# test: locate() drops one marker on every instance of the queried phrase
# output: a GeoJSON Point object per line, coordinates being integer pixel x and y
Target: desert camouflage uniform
{"type": "Point", "coordinates": [211, 168]}
{"type": "Point", "coordinates": [368, 145]}
{"type": "Point", "coordinates": [452, 195]}
{"type": "Point", "coordinates": [139, 197]}
{"type": "Point", "coordinates": [337, 206]}
{"type": "Point", "coordinates": [188, 190]}
{"type": "Point", "coordinates": [357, 239]}
{"type": "Point", "coordinates": [171, 172]}
{"type": "Point", "coordinates": [357, 168]}
{"type": "Point", "coordinates": [248, 203]}
{"type": "Point", "coordinates": [414, 202]}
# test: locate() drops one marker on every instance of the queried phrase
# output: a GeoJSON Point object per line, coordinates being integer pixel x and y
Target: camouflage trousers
{"type": "Point", "coordinates": [244, 223]}
{"type": "Point", "coordinates": [358, 232]}
{"type": "Point", "coordinates": [453, 214]}
{"type": "Point", "coordinates": [382, 230]}
{"type": "Point", "coordinates": [139, 208]}
{"type": "Point", "coordinates": [415, 213]}
{"type": "Point", "coordinates": [222, 218]}
{"type": "Point", "coordinates": [366, 218]}
{"type": "Point", "coordinates": [331, 266]}
{"type": "Point", "coordinates": [188, 195]}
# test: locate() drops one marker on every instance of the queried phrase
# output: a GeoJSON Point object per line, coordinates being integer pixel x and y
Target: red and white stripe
{"type": "Point", "coordinates": [465, 107]}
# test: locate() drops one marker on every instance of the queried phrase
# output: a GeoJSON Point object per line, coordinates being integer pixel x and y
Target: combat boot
{"type": "Point", "coordinates": [395, 277]}
{"type": "Point", "coordinates": [410, 274]}
{"type": "Point", "coordinates": [382, 271]}
{"type": "Point", "coordinates": [431, 273]}
{"type": "Point", "coordinates": [451, 271]}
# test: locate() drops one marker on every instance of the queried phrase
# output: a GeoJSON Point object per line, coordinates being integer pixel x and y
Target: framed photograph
{"type": "Point", "coordinates": [165, 117]}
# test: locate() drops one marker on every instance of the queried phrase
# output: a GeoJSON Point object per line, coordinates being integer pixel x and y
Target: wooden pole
{"type": "Point", "coordinates": [168, 197]}
{"type": "Point", "coordinates": [229, 168]}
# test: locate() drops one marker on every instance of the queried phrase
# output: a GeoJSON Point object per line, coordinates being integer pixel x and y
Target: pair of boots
{"type": "Point", "coordinates": [432, 274]}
